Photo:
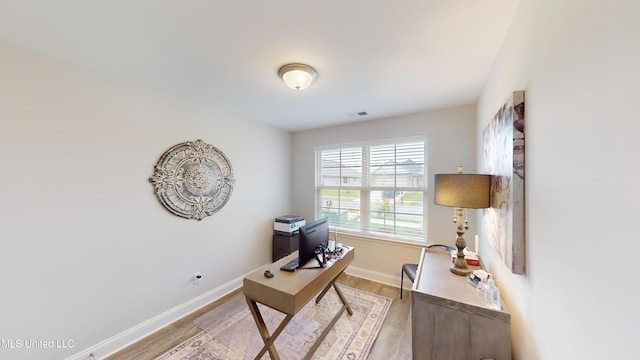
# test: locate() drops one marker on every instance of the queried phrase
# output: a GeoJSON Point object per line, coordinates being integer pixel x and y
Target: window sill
{"type": "Point", "coordinates": [382, 239]}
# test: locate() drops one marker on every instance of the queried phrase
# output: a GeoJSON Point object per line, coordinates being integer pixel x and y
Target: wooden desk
{"type": "Point", "coordinates": [449, 319]}
{"type": "Point", "coordinates": [288, 292]}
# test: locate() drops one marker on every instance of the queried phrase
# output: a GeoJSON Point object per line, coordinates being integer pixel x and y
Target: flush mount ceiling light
{"type": "Point", "coordinates": [297, 76]}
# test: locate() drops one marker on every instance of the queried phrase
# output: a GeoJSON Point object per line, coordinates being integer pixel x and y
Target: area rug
{"type": "Point", "coordinates": [230, 333]}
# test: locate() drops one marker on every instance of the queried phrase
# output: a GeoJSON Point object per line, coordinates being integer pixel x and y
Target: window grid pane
{"type": "Point", "coordinates": [387, 180]}
{"type": "Point", "coordinates": [342, 167]}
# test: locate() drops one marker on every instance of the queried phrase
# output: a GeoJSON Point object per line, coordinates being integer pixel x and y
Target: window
{"type": "Point", "coordinates": [376, 188]}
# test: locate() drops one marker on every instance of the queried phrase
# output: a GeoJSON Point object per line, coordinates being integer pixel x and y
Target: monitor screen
{"type": "Point", "coordinates": [312, 235]}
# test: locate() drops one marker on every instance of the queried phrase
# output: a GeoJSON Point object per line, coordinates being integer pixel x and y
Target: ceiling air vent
{"type": "Point", "coordinates": [357, 114]}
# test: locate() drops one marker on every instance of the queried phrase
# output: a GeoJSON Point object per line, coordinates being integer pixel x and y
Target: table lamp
{"type": "Point", "coordinates": [462, 191]}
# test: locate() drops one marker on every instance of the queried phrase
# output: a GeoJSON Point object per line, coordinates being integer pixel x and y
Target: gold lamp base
{"type": "Point", "coordinates": [460, 271]}
{"type": "Point", "coordinates": [460, 267]}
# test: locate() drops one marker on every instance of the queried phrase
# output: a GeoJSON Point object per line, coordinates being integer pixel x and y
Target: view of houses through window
{"type": "Point", "coordinates": [374, 188]}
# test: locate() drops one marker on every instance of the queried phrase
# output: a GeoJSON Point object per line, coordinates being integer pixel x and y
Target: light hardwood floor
{"type": "Point", "coordinates": [393, 342]}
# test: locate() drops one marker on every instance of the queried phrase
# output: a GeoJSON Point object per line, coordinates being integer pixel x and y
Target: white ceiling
{"type": "Point", "coordinates": [385, 57]}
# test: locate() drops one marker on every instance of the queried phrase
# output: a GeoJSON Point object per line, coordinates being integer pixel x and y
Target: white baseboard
{"type": "Point", "coordinates": [387, 279]}
{"type": "Point", "coordinates": [122, 340]}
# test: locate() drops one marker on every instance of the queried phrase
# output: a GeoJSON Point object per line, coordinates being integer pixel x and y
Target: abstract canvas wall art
{"type": "Point", "coordinates": [504, 143]}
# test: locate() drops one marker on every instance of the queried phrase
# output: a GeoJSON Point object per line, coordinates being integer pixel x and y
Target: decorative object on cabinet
{"type": "Point", "coordinates": [462, 191]}
{"type": "Point", "coordinates": [504, 142]}
{"type": "Point", "coordinates": [193, 179]}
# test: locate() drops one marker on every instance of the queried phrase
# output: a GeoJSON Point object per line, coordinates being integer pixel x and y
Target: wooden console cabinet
{"type": "Point", "coordinates": [448, 318]}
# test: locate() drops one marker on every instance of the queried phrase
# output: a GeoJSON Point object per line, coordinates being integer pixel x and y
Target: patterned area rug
{"type": "Point", "coordinates": [230, 333]}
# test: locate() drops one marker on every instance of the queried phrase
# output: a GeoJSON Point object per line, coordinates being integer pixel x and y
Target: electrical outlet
{"type": "Point", "coordinates": [197, 277]}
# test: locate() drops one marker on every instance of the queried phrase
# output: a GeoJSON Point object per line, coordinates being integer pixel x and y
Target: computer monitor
{"type": "Point", "coordinates": [311, 236]}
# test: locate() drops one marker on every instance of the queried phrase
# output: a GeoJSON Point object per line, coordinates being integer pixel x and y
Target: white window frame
{"type": "Point", "coordinates": [366, 189]}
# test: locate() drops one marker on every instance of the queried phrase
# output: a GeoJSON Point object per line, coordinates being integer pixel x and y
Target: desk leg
{"type": "Point", "coordinates": [345, 306]}
{"type": "Point", "coordinates": [338, 291]}
{"type": "Point", "coordinates": [264, 332]}
{"type": "Point", "coordinates": [342, 298]}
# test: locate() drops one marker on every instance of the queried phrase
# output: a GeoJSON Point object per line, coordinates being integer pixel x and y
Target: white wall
{"type": "Point", "coordinates": [451, 142]}
{"type": "Point", "coordinates": [578, 62]}
{"type": "Point", "coordinates": [88, 252]}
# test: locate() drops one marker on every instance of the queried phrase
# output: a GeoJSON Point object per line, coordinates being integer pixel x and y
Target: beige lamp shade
{"type": "Point", "coordinates": [468, 191]}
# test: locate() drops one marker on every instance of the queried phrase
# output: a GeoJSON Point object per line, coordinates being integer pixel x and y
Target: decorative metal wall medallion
{"type": "Point", "coordinates": [193, 179]}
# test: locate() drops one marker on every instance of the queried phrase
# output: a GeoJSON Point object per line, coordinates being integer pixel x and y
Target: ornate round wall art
{"type": "Point", "coordinates": [193, 179]}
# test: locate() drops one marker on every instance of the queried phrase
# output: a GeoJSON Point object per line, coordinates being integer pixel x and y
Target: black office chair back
{"type": "Point", "coordinates": [412, 269]}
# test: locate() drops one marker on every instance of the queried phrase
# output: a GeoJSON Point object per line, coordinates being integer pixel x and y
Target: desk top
{"type": "Point", "coordinates": [289, 291]}
{"type": "Point", "coordinates": [435, 280]}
